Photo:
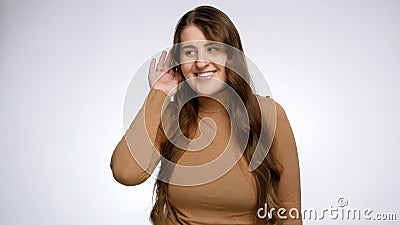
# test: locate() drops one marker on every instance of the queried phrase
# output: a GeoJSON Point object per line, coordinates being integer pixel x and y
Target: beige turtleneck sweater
{"type": "Point", "coordinates": [229, 198]}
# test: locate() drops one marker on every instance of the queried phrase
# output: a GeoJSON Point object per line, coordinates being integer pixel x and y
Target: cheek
{"type": "Point", "coordinates": [222, 70]}
{"type": "Point", "coordinates": [219, 60]}
{"type": "Point", "coordinates": [186, 70]}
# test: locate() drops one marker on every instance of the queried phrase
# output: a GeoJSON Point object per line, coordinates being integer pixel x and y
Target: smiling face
{"type": "Point", "coordinates": [202, 62]}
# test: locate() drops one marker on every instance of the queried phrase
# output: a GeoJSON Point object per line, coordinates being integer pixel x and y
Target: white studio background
{"type": "Point", "coordinates": [65, 67]}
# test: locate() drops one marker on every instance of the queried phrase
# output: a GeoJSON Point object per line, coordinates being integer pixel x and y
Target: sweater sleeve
{"type": "Point", "coordinates": [285, 151]}
{"type": "Point", "coordinates": [138, 152]}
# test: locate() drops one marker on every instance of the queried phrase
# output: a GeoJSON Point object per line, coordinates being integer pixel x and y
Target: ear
{"type": "Point", "coordinates": [178, 73]}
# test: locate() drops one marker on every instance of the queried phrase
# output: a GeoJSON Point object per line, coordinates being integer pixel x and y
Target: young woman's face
{"type": "Point", "coordinates": [202, 62]}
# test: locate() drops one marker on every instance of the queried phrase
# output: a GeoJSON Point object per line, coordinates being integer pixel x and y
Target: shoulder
{"type": "Point", "coordinates": [270, 106]}
{"type": "Point", "coordinates": [274, 116]}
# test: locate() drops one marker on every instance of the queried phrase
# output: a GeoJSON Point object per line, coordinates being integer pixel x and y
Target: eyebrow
{"type": "Point", "coordinates": [188, 46]}
{"type": "Point", "coordinates": [210, 43]}
{"type": "Point", "coordinates": [205, 45]}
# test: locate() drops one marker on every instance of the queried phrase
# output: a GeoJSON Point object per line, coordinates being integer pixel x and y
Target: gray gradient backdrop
{"type": "Point", "coordinates": [65, 67]}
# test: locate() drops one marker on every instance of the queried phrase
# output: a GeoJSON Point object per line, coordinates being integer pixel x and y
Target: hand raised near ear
{"type": "Point", "coordinates": [162, 76]}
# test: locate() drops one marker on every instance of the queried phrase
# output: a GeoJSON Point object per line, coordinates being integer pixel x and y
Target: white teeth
{"type": "Point", "coordinates": [205, 74]}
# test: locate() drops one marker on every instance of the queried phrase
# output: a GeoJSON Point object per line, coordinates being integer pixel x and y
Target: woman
{"type": "Point", "coordinates": [209, 80]}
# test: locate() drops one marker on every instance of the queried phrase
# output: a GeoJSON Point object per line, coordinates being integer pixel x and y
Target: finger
{"type": "Point", "coordinates": [152, 65]}
{"type": "Point", "coordinates": [160, 64]}
{"type": "Point", "coordinates": [167, 64]}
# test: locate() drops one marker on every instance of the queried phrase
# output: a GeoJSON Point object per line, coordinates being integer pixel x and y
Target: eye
{"type": "Point", "coordinates": [189, 53]}
{"type": "Point", "coordinates": [212, 49]}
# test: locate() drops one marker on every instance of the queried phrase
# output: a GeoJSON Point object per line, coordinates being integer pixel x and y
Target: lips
{"type": "Point", "coordinates": [206, 74]}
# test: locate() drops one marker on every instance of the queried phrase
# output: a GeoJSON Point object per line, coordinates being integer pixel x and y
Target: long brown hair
{"type": "Point", "coordinates": [217, 26]}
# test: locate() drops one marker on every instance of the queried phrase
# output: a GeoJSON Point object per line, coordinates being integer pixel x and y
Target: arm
{"type": "Point", "coordinates": [285, 150]}
{"type": "Point", "coordinates": [137, 153]}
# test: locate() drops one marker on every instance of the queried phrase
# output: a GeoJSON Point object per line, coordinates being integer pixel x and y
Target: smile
{"type": "Point", "coordinates": [205, 75]}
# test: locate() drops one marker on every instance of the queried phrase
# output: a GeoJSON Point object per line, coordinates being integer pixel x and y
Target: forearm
{"type": "Point", "coordinates": [126, 170]}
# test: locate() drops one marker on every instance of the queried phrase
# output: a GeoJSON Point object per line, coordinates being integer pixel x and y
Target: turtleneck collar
{"type": "Point", "coordinates": [214, 103]}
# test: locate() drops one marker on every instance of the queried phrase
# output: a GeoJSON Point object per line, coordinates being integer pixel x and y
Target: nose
{"type": "Point", "coordinates": [201, 60]}
{"type": "Point", "coordinates": [202, 63]}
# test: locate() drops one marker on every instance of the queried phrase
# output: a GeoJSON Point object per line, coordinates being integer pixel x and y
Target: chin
{"type": "Point", "coordinates": [211, 87]}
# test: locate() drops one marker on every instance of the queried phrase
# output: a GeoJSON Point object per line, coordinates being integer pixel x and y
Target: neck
{"type": "Point", "coordinates": [214, 103]}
